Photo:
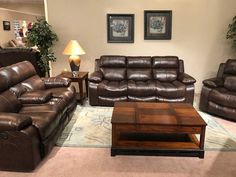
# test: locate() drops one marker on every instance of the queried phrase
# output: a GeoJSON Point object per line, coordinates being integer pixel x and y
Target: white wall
{"type": "Point", "coordinates": [198, 32]}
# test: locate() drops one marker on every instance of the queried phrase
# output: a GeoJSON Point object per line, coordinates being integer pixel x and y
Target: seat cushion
{"type": "Point", "coordinates": [45, 122]}
{"type": "Point", "coordinates": [66, 93]}
{"type": "Point", "coordinates": [223, 97]}
{"type": "Point", "coordinates": [141, 88]}
{"type": "Point", "coordinates": [112, 88]}
{"type": "Point", "coordinates": [170, 89]}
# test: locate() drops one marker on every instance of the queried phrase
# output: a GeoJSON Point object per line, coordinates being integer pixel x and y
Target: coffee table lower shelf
{"type": "Point", "coordinates": [186, 145]}
{"type": "Point", "coordinates": [158, 152]}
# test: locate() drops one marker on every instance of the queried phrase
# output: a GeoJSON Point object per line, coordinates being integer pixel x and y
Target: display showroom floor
{"type": "Point", "coordinates": [89, 162]}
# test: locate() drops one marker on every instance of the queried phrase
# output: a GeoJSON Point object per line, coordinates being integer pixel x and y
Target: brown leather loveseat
{"type": "Point", "coordinates": [218, 94]}
{"type": "Point", "coordinates": [143, 78]}
{"type": "Point", "coordinates": [33, 113]}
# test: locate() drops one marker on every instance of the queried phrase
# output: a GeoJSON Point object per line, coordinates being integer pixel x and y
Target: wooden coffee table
{"type": "Point", "coordinates": [167, 129]}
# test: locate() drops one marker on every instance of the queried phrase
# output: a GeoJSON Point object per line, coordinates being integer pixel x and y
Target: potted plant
{"type": "Point", "coordinates": [231, 34]}
{"type": "Point", "coordinates": [42, 36]}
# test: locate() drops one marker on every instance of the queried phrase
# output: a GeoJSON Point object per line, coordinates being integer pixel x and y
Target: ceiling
{"type": "Point", "coordinates": [23, 1]}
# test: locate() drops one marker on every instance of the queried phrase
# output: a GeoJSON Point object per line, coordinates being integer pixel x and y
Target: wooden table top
{"type": "Point", "coordinates": [69, 75]}
{"type": "Point", "coordinates": [177, 114]}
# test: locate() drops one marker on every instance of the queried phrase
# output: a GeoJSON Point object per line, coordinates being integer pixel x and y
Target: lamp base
{"type": "Point", "coordinates": [73, 66]}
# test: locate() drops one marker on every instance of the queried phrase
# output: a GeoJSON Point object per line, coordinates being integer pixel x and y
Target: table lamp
{"type": "Point", "coordinates": [74, 50]}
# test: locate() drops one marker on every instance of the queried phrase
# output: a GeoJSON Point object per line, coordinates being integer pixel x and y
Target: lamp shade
{"type": "Point", "coordinates": [73, 48]}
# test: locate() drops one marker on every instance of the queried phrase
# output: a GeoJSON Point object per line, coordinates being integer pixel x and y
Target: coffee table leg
{"type": "Point", "coordinates": [202, 140]}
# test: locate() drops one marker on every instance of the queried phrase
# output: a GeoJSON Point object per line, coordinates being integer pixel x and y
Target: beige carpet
{"type": "Point", "coordinates": [96, 162]}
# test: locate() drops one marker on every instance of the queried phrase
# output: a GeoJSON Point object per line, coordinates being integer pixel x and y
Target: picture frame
{"type": "Point", "coordinates": [157, 24]}
{"type": "Point", "coordinates": [6, 25]}
{"type": "Point", "coordinates": [120, 28]}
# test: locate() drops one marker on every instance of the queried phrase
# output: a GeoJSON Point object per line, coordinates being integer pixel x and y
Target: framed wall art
{"type": "Point", "coordinates": [120, 28]}
{"type": "Point", "coordinates": [6, 25]}
{"type": "Point", "coordinates": [157, 24]}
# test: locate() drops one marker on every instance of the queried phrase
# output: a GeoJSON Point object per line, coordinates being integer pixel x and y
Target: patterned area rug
{"type": "Point", "coordinates": [91, 127]}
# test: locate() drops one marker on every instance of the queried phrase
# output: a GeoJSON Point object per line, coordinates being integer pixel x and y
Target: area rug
{"type": "Point", "coordinates": [91, 127]}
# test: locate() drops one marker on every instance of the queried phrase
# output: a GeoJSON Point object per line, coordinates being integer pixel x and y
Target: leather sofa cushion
{"type": "Point", "coordinates": [113, 61]}
{"type": "Point", "coordinates": [175, 89]}
{"type": "Point", "coordinates": [165, 62]}
{"type": "Point", "coordinates": [114, 74]}
{"type": "Point", "coordinates": [139, 74]}
{"type": "Point", "coordinates": [14, 122]}
{"type": "Point", "coordinates": [108, 101]}
{"type": "Point", "coordinates": [9, 102]}
{"type": "Point", "coordinates": [33, 83]}
{"type": "Point", "coordinates": [223, 97]}
{"type": "Point", "coordinates": [35, 97]}
{"type": "Point", "coordinates": [18, 89]}
{"type": "Point", "coordinates": [3, 83]}
{"type": "Point", "coordinates": [230, 67]}
{"type": "Point", "coordinates": [45, 122]}
{"type": "Point", "coordinates": [112, 88]}
{"type": "Point", "coordinates": [165, 75]}
{"type": "Point", "coordinates": [65, 93]}
{"type": "Point", "coordinates": [139, 62]}
{"type": "Point", "coordinates": [10, 75]}
{"type": "Point", "coordinates": [141, 89]}
{"type": "Point", "coordinates": [230, 83]}
{"type": "Point", "coordinates": [141, 99]}
{"type": "Point", "coordinates": [24, 69]}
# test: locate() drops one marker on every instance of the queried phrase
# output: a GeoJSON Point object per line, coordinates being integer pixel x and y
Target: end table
{"type": "Point", "coordinates": [79, 78]}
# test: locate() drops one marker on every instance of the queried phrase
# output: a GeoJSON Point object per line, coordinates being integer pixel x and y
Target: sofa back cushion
{"type": "Point", "coordinates": [230, 67]}
{"type": "Point", "coordinates": [24, 69]}
{"type": "Point", "coordinates": [113, 61]}
{"type": "Point", "coordinates": [165, 68]}
{"type": "Point", "coordinates": [230, 83]}
{"type": "Point", "coordinates": [139, 68]}
{"type": "Point", "coordinates": [10, 76]}
{"type": "Point", "coordinates": [113, 67]}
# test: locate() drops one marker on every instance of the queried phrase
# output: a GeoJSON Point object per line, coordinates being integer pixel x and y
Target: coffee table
{"type": "Point", "coordinates": [168, 129]}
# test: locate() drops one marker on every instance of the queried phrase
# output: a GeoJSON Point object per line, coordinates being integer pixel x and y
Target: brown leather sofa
{"type": "Point", "coordinates": [143, 78]}
{"type": "Point", "coordinates": [33, 113]}
{"type": "Point", "coordinates": [9, 56]}
{"type": "Point", "coordinates": [218, 94]}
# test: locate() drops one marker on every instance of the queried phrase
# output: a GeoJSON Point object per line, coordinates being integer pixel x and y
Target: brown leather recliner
{"type": "Point", "coordinates": [33, 113]}
{"type": "Point", "coordinates": [143, 78]}
{"type": "Point", "coordinates": [218, 94]}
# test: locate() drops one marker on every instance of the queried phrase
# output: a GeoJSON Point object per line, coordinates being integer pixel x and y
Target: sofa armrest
{"type": "Point", "coordinates": [96, 77]}
{"type": "Point", "coordinates": [35, 97]}
{"type": "Point", "coordinates": [213, 82]}
{"type": "Point", "coordinates": [13, 121]}
{"type": "Point", "coordinates": [53, 82]}
{"type": "Point", "coordinates": [186, 79]}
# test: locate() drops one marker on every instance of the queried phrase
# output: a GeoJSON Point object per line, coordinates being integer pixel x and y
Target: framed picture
{"type": "Point", "coordinates": [120, 28]}
{"type": "Point", "coordinates": [6, 25]}
{"type": "Point", "coordinates": [157, 25]}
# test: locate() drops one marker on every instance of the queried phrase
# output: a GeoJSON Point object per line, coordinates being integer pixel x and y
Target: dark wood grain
{"type": "Point", "coordinates": [155, 126]}
{"type": "Point", "coordinates": [79, 78]}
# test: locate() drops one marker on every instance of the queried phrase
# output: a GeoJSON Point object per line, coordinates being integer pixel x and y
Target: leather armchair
{"type": "Point", "coordinates": [143, 78]}
{"type": "Point", "coordinates": [33, 113]}
{"type": "Point", "coordinates": [218, 94]}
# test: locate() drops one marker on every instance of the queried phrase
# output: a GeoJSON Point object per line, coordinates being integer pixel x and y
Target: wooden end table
{"type": "Point", "coordinates": [166, 129]}
{"type": "Point", "coordinates": [79, 78]}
